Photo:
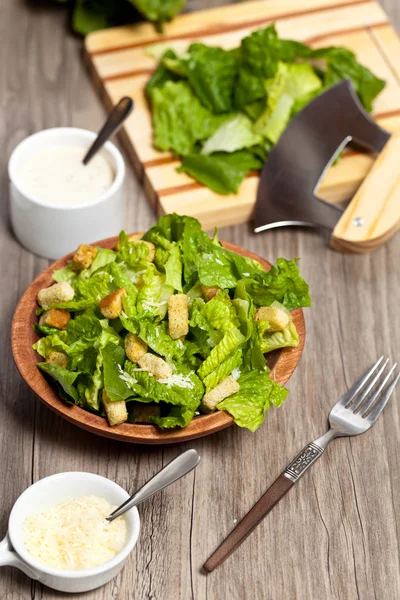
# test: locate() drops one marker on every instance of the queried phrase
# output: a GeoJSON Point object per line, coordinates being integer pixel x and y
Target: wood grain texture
{"type": "Point", "coordinates": [373, 215]}
{"type": "Point", "coordinates": [281, 362]}
{"type": "Point", "coordinates": [336, 535]}
{"type": "Point", "coordinates": [120, 65]}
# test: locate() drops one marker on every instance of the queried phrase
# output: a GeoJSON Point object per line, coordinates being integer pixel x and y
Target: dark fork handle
{"type": "Point", "coordinates": [266, 503]}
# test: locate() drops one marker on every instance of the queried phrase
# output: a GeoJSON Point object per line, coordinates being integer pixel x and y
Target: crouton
{"type": "Point", "coordinates": [115, 410]}
{"type": "Point", "coordinates": [111, 305]}
{"type": "Point", "coordinates": [226, 388]}
{"type": "Point", "coordinates": [134, 347]}
{"type": "Point", "coordinates": [178, 316]}
{"type": "Point", "coordinates": [55, 294]}
{"type": "Point", "coordinates": [131, 238]}
{"type": "Point", "coordinates": [57, 358]}
{"type": "Point", "coordinates": [55, 317]}
{"type": "Point", "coordinates": [83, 257]}
{"type": "Point", "coordinates": [209, 291]}
{"type": "Point", "coordinates": [277, 318]}
{"type": "Point", "coordinates": [155, 365]}
{"type": "Point", "coordinates": [143, 412]}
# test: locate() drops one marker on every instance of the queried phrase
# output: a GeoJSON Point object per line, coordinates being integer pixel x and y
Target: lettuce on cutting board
{"type": "Point", "coordinates": [221, 111]}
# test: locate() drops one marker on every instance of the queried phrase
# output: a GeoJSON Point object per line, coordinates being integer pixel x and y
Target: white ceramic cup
{"type": "Point", "coordinates": [52, 491]}
{"type": "Point", "coordinates": [53, 230]}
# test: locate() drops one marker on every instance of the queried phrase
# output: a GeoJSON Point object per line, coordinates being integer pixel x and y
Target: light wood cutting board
{"type": "Point", "coordinates": [120, 66]}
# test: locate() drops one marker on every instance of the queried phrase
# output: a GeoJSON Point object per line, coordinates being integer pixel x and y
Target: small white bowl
{"type": "Point", "coordinates": [52, 491]}
{"type": "Point", "coordinates": [53, 230]}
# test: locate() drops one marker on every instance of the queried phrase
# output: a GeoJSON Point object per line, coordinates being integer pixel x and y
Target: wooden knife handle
{"type": "Point", "coordinates": [373, 216]}
{"type": "Point", "coordinates": [266, 503]}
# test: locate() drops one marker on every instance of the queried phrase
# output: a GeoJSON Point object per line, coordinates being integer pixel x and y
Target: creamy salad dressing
{"type": "Point", "coordinates": [57, 175]}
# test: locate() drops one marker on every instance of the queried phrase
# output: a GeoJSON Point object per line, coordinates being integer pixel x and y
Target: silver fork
{"type": "Point", "coordinates": [355, 412]}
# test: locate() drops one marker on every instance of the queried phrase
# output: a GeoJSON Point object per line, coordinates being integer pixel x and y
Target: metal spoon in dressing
{"type": "Point", "coordinates": [177, 468]}
{"type": "Point", "coordinates": [114, 121]}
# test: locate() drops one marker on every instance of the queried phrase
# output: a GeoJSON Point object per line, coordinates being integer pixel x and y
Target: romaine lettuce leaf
{"type": "Point", "coordinates": [221, 171]}
{"type": "Point", "coordinates": [219, 312]}
{"type": "Point", "coordinates": [65, 378]}
{"type": "Point", "coordinates": [253, 356]}
{"type": "Point", "coordinates": [157, 338]}
{"type": "Point", "coordinates": [116, 381]}
{"type": "Point", "coordinates": [149, 387]}
{"type": "Point", "coordinates": [211, 72]}
{"type": "Point", "coordinates": [290, 83]}
{"type": "Point", "coordinates": [152, 300]}
{"type": "Point", "coordinates": [278, 339]}
{"type": "Point", "coordinates": [234, 134]}
{"type": "Point", "coordinates": [256, 394]}
{"type": "Point", "coordinates": [223, 370]}
{"type": "Point", "coordinates": [64, 274]}
{"type": "Point", "coordinates": [282, 282]}
{"type": "Point", "coordinates": [173, 268]}
{"type": "Point", "coordinates": [159, 11]}
{"type": "Point", "coordinates": [162, 74]}
{"type": "Point", "coordinates": [229, 344]}
{"type": "Point", "coordinates": [179, 119]}
{"type": "Point", "coordinates": [103, 257]}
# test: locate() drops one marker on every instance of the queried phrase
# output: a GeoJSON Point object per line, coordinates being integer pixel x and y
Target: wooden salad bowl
{"type": "Point", "coordinates": [282, 363]}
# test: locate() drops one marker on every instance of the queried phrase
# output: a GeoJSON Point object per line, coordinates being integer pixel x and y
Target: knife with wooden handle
{"type": "Point", "coordinates": [373, 215]}
{"type": "Point", "coordinates": [288, 189]}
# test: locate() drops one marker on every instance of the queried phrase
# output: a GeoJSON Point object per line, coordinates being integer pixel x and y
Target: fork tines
{"type": "Point", "coordinates": [370, 394]}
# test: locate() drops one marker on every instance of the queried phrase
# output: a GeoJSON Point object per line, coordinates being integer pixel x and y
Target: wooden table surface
{"type": "Point", "coordinates": [335, 536]}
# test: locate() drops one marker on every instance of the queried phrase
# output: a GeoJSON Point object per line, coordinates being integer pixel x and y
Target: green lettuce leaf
{"type": "Point", "coordinates": [211, 73]}
{"type": "Point", "coordinates": [103, 257]}
{"type": "Point", "coordinates": [159, 11]}
{"type": "Point", "coordinates": [222, 172]}
{"type": "Point", "coordinates": [256, 394]}
{"type": "Point", "coordinates": [229, 344]}
{"type": "Point", "coordinates": [234, 134]}
{"type": "Point", "coordinates": [223, 370]}
{"type": "Point", "coordinates": [173, 268]}
{"type": "Point", "coordinates": [219, 312]}
{"type": "Point", "coordinates": [341, 64]}
{"type": "Point", "coordinates": [253, 356]}
{"type": "Point", "coordinates": [152, 300]}
{"type": "Point", "coordinates": [283, 283]}
{"type": "Point", "coordinates": [157, 338]}
{"type": "Point", "coordinates": [64, 274]}
{"type": "Point", "coordinates": [290, 83]}
{"type": "Point", "coordinates": [179, 119]}
{"type": "Point", "coordinates": [183, 401]}
{"type": "Point", "coordinates": [115, 379]}
{"type": "Point", "coordinates": [63, 377]}
{"type": "Point", "coordinates": [162, 74]}
{"type": "Point", "coordinates": [278, 339]}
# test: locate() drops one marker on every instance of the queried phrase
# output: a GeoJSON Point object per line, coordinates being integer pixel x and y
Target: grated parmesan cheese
{"type": "Point", "coordinates": [235, 373]}
{"type": "Point", "coordinates": [124, 376]}
{"type": "Point", "coordinates": [182, 381]}
{"type": "Point", "coordinates": [75, 535]}
{"type": "Point", "coordinates": [219, 261]}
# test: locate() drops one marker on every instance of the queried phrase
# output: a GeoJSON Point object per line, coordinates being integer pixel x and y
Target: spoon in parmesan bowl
{"type": "Point", "coordinates": [177, 468]}
{"type": "Point", "coordinates": [59, 532]}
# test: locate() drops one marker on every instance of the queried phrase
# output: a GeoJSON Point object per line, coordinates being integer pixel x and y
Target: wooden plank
{"type": "Point", "coordinates": [122, 66]}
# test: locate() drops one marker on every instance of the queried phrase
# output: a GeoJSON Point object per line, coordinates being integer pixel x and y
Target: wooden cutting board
{"type": "Point", "coordinates": [120, 66]}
